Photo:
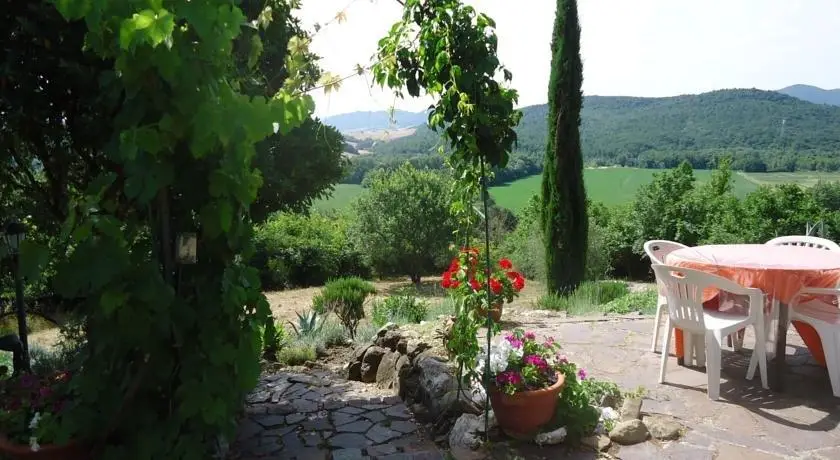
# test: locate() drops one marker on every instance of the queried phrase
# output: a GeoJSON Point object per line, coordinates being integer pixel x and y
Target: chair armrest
{"type": "Point", "coordinates": [814, 292]}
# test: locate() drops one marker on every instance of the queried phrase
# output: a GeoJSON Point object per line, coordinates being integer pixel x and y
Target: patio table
{"type": "Point", "coordinates": [779, 271]}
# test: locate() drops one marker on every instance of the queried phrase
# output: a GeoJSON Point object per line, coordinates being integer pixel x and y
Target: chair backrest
{"type": "Point", "coordinates": [658, 249]}
{"type": "Point", "coordinates": [805, 241]}
{"type": "Point", "coordinates": [684, 289]}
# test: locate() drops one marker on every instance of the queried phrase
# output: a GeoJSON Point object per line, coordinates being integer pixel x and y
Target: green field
{"type": "Point", "coordinates": [607, 185]}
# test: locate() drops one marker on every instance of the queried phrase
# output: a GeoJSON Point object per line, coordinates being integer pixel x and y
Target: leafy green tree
{"type": "Point", "coordinates": [403, 224]}
{"type": "Point", "coordinates": [564, 216]}
{"type": "Point", "coordinates": [302, 165]}
{"type": "Point", "coordinates": [777, 211]}
{"type": "Point", "coordinates": [661, 209]}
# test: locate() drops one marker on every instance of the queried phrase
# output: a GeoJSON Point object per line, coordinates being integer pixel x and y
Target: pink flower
{"type": "Point", "coordinates": [535, 360]}
{"type": "Point", "coordinates": [513, 341]}
{"type": "Point", "coordinates": [530, 336]}
{"type": "Point", "coordinates": [562, 359]}
{"type": "Point", "coordinates": [549, 342]}
{"type": "Point", "coordinates": [508, 377]}
{"type": "Point", "coordinates": [582, 374]}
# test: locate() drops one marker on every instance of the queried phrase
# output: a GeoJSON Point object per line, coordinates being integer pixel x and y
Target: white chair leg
{"type": "Point", "coordinates": [760, 354]}
{"type": "Point", "coordinates": [713, 345]}
{"type": "Point", "coordinates": [659, 309]}
{"type": "Point", "coordinates": [666, 349]}
{"type": "Point", "coordinates": [700, 350]}
{"type": "Point", "coordinates": [688, 348]}
{"type": "Point", "coordinates": [829, 342]}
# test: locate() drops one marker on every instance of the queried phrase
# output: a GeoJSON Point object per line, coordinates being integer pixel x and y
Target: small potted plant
{"type": "Point", "coordinates": [524, 382]}
{"type": "Point", "coordinates": [464, 279]}
{"type": "Point", "coordinates": [31, 412]}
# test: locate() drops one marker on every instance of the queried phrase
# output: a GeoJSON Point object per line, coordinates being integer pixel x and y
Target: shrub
{"type": "Point", "coordinates": [298, 250]}
{"type": "Point", "coordinates": [345, 297]}
{"type": "Point", "coordinates": [308, 324]}
{"type": "Point", "coordinates": [589, 297]}
{"type": "Point", "coordinates": [641, 301]}
{"type": "Point", "coordinates": [297, 353]}
{"type": "Point", "coordinates": [399, 309]}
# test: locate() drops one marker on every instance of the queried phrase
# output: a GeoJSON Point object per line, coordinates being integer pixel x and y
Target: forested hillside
{"type": "Point", "coordinates": [762, 130]}
{"type": "Point", "coordinates": [813, 94]}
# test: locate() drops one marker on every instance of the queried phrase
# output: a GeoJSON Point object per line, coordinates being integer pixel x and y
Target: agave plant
{"type": "Point", "coordinates": [308, 324]}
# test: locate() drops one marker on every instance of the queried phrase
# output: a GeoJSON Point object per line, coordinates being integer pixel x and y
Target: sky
{"type": "Point", "coordinates": [629, 48]}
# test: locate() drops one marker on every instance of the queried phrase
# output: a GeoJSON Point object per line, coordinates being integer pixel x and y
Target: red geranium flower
{"type": "Point", "coordinates": [455, 284]}
{"type": "Point", "coordinates": [519, 283]}
{"type": "Point", "coordinates": [495, 286]}
{"type": "Point", "coordinates": [475, 285]}
{"type": "Point", "coordinates": [454, 265]}
{"type": "Point", "coordinates": [505, 264]}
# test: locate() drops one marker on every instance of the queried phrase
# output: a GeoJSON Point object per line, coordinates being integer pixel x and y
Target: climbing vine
{"type": "Point", "coordinates": [171, 349]}
{"type": "Point", "coordinates": [446, 49]}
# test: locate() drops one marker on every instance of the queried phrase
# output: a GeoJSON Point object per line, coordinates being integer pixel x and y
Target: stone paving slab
{"type": "Point", "coordinates": [314, 415]}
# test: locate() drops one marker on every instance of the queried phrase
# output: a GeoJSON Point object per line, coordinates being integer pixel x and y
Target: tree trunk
{"type": "Point", "coordinates": [564, 220]}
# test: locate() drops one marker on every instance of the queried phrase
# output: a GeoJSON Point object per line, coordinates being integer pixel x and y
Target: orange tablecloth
{"type": "Point", "coordinates": [779, 271]}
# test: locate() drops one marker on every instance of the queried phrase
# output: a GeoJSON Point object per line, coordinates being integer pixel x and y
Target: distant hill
{"type": "Point", "coordinates": [813, 94]}
{"type": "Point", "coordinates": [658, 132]}
{"type": "Point", "coordinates": [357, 121]}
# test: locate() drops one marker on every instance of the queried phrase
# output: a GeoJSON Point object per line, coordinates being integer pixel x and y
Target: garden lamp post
{"type": "Point", "coordinates": [13, 236]}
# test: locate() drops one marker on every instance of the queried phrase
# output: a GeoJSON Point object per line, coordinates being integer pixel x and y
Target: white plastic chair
{"type": "Point", "coordinates": [824, 317]}
{"type": "Point", "coordinates": [805, 241]}
{"type": "Point", "coordinates": [657, 250]}
{"type": "Point", "coordinates": [684, 291]}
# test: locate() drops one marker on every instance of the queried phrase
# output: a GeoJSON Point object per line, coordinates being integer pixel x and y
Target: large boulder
{"type": "Point", "coordinates": [370, 363]}
{"type": "Point", "coordinates": [385, 374]}
{"type": "Point", "coordinates": [389, 339]}
{"type": "Point", "coordinates": [435, 379]}
{"type": "Point", "coordinates": [629, 432]}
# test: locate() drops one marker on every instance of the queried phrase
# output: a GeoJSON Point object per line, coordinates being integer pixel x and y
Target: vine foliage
{"type": "Point", "coordinates": [446, 49]}
{"type": "Point", "coordinates": [171, 349]}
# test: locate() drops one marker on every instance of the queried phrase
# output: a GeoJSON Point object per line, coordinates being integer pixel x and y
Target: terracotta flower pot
{"type": "Point", "coordinates": [69, 451]}
{"type": "Point", "coordinates": [495, 312]}
{"type": "Point", "coordinates": [521, 415]}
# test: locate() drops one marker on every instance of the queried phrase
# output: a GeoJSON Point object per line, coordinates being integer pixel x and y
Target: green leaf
{"type": "Point", "coordinates": [225, 215]}
{"type": "Point", "coordinates": [111, 299]}
{"type": "Point", "coordinates": [33, 259]}
{"type": "Point", "coordinates": [161, 28]}
{"type": "Point", "coordinates": [73, 9]}
{"type": "Point", "coordinates": [255, 51]}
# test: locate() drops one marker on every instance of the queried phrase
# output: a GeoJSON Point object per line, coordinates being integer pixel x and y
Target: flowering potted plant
{"type": "Point", "coordinates": [464, 280]}
{"type": "Point", "coordinates": [524, 381]}
{"type": "Point", "coordinates": [31, 411]}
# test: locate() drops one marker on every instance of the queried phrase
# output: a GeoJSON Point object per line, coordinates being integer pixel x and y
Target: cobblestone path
{"type": "Point", "coordinates": [314, 416]}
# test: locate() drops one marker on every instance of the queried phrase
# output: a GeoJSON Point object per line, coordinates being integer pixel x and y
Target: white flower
{"type": "Point", "coordinates": [33, 444]}
{"type": "Point", "coordinates": [34, 422]}
{"type": "Point", "coordinates": [608, 413]}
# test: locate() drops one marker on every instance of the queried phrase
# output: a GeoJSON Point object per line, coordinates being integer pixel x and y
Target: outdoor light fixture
{"type": "Point", "coordinates": [13, 236]}
{"type": "Point", "coordinates": [186, 248]}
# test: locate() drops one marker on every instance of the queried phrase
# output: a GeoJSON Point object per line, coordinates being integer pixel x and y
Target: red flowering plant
{"type": "Point", "coordinates": [466, 280]}
{"type": "Point", "coordinates": [32, 408]}
{"type": "Point", "coordinates": [520, 362]}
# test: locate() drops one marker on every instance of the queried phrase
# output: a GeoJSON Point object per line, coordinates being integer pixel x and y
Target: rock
{"type": "Point", "coordinates": [436, 379]}
{"type": "Point", "coordinates": [359, 352]}
{"type": "Point", "coordinates": [348, 441]}
{"type": "Point", "coordinates": [629, 432]}
{"type": "Point", "coordinates": [467, 403]}
{"type": "Point", "coordinates": [359, 426]}
{"type": "Point", "coordinates": [370, 363]}
{"type": "Point", "coordinates": [354, 371]}
{"type": "Point", "coordinates": [598, 442]}
{"type": "Point", "coordinates": [386, 373]}
{"type": "Point", "coordinates": [663, 428]}
{"type": "Point", "coordinates": [389, 340]}
{"type": "Point", "coordinates": [402, 362]}
{"type": "Point", "coordinates": [466, 434]}
{"type": "Point", "coordinates": [421, 413]}
{"type": "Point", "coordinates": [380, 433]}
{"type": "Point", "coordinates": [347, 454]}
{"type": "Point", "coordinates": [384, 329]}
{"type": "Point", "coordinates": [631, 409]}
{"type": "Point", "coordinates": [402, 346]}
{"type": "Point", "coordinates": [416, 346]}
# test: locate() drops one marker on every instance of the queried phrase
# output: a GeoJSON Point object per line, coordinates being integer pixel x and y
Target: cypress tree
{"type": "Point", "coordinates": [564, 218]}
